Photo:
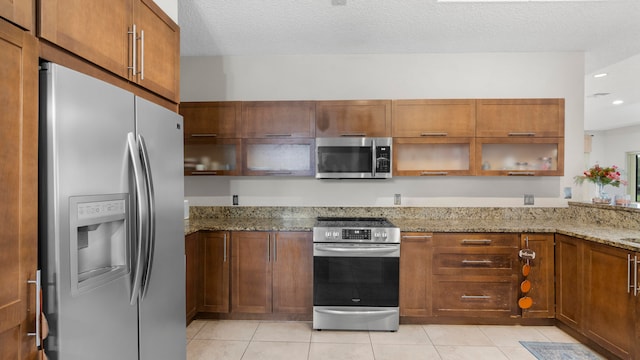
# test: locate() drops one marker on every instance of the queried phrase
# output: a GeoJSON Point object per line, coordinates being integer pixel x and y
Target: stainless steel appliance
{"type": "Point", "coordinates": [356, 264]}
{"type": "Point", "coordinates": [353, 158]}
{"type": "Point", "coordinates": [111, 227]}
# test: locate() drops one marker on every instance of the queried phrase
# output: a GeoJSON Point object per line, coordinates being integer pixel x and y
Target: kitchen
{"type": "Point", "coordinates": [345, 77]}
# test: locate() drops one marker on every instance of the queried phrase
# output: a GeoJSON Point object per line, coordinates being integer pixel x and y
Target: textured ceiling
{"type": "Point", "coordinates": [606, 31]}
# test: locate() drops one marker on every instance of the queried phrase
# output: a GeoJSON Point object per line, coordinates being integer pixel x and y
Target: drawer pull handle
{"type": "Point", "coordinates": [475, 297]}
{"type": "Point", "coordinates": [477, 262]}
{"type": "Point", "coordinates": [434, 134]}
{"type": "Point", "coordinates": [417, 236]}
{"type": "Point", "coordinates": [204, 135]}
{"type": "Point", "coordinates": [476, 242]}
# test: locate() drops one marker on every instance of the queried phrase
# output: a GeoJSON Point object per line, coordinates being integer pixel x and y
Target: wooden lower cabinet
{"type": "Point", "coordinates": [214, 289]}
{"type": "Point", "coordinates": [191, 254]}
{"type": "Point", "coordinates": [595, 295]}
{"type": "Point", "coordinates": [272, 272]}
{"type": "Point", "coordinates": [541, 275]}
{"type": "Point", "coordinates": [415, 274]}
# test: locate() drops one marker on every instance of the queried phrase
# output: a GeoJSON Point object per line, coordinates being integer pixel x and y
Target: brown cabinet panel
{"type": "Point", "coordinates": [278, 119]}
{"type": "Point", "coordinates": [21, 12]}
{"type": "Point", "coordinates": [251, 272]}
{"type": "Point", "coordinates": [192, 253]}
{"type": "Point", "coordinates": [415, 274]}
{"type": "Point", "coordinates": [293, 272]}
{"type": "Point", "coordinates": [95, 30]}
{"type": "Point", "coordinates": [353, 118]}
{"type": "Point", "coordinates": [520, 118]}
{"type": "Point", "coordinates": [475, 240]}
{"type": "Point", "coordinates": [214, 247]}
{"type": "Point", "coordinates": [541, 275]}
{"type": "Point", "coordinates": [19, 195]}
{"type": "Point", "coordinates": [569, 287]}
{"type": "Point", "coordinates": [434, 118]}
{"type": "Point", "coordinates": [480, 261]}
{"type": "Point", "coordinates": [478, 296]}
{"type": "Point", "coordinates": [610, 308]}
{"type": "Point", "coordinates": [158, 54]}
{"type": "Point", "coordinates": [214, 119]}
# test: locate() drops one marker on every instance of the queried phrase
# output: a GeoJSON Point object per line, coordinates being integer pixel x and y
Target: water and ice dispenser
{"type": "Point", "coordinates": [99, 240]}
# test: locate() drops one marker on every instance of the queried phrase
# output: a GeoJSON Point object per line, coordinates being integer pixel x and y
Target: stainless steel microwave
{"type": "Point", "coordinates": [353, 158]}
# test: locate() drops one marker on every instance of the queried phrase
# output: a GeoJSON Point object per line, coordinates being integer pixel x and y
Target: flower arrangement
{"type": "Point", "coordinates": [601, 175]}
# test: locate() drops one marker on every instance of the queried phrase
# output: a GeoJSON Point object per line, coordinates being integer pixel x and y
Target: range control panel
{"type": "Point", "coordinates": [383, 235]}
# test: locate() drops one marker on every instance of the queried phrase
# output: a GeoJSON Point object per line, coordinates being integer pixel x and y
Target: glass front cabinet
{"type": "Point", "coordinates": [520, 156]}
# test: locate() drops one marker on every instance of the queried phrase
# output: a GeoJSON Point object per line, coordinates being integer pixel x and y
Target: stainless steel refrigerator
{"type": "Point", "coordinates": [111, 230]}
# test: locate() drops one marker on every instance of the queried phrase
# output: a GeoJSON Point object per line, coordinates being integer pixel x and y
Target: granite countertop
{"type": "Point", "coordinates": [628, 239]}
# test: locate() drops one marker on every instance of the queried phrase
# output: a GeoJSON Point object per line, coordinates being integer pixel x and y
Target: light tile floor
{"type": "Point", "coordinates": [268, 340]}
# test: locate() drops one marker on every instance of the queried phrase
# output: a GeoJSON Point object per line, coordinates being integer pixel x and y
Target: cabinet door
{"type": "Point", "coordinates": [353, 118]}
{"type": "Point", "coordinates": [158, 55]}
{"type": "Point", "coordinates": [520, 118]}
{"type": "Point", "coordinates": [192, 252]}
{"type": "Point", "coordinates": [216, 119]}
{"type": "Point", "coordinates": [610, 306]}
{"type": "Point", "coordinates": [569, 285]}
{"type": "Point", "coordinates": [215, 279]}
{"type": "Point", "coordinates": [278, 119]}
{"type": "Point", "coordinates": [293, 272]}
{"type": "Point", "coordinates": [474, 296]}
{"type": "Point", "coordinates": [279, 157]}
{"type": "Point", "coordinates": [95, 30]}
{"type": "Point", "coordinates": [434, 118]}
{"type": "Point", "coordinates": [20, 12]}
{"type": "Point", "coordinates": [19, 195]}
{"type": "Point", "coordinates": [434, 156]}
{"type": "Point", "coordinates": [251, 272]}
{"type": "Point", "coordinates": [212, 156]}
{"type": "Point", "coordinates": [541, 275]}
{"type": "Point", "coordinates": [415, 274]}
{"type": "Point", "coordinates": [520, 157]}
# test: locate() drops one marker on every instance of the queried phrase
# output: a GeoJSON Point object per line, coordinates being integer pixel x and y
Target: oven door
{"type": "Point", "coordinates": [356, 274]}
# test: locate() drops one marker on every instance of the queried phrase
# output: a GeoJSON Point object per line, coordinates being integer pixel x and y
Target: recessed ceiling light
{"type": "Point", "coordinates": [600, 75]}
{"type": "Point", "coordinates": [618, 102]}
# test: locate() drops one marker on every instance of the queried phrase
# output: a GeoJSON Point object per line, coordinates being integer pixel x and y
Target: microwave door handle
{"type": "Point", "coordinates": [374, 159]}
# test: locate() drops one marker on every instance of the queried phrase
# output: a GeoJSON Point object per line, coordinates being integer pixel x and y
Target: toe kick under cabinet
{"type": "Point", "coordinates": [475, 275]}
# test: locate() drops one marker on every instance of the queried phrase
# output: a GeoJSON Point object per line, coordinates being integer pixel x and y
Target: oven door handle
{"type": "Point", "coordinates": [356, 312]}
{"type": "Point", "coordinates": [360, 250]}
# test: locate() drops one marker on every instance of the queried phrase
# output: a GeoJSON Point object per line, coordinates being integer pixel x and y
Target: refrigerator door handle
{"type": "Point", "coordinates": [142, 217]}
{"type": "Point", "coordinates": [151, 235]}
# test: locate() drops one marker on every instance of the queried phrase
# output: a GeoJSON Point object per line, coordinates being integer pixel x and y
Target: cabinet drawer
{"type": "Point", "coordinates": [488, 261]}
{"type": "Point", "coordinates": [479, 297]}
{"type": "Point", "coordinates": [475, 240]}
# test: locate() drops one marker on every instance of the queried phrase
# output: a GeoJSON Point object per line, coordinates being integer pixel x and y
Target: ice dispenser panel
{"type": "Point", "coordinates": [99, 240]}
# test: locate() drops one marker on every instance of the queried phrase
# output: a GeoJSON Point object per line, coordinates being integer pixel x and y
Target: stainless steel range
{"type": "Point", "coordinates": [356, 264]}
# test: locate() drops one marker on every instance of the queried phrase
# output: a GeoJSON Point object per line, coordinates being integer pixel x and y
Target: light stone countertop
{"type": "Point", "coordinates": [624, 238]}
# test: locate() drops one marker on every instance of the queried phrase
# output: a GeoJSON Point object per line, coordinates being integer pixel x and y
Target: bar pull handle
{"type": "Point", "coordinates": [38, 283]}
{"type": "Point", "coordinates": [476, 262]}
{"type": "Point", "coordinates": [437, 173]}
{"type": "Point", "coordinates": [417, 236]}
{"type": "Point", "coordinates": [476, 241]}
{"type": "Point", "coordinates": [275, 249]}
{"type": "Point", "coordinates": [224, 248]}
{"type": "Point", "coordinates": [635, 276]}
{"type": "Point", "coordinates": [278, 173]}
{"type": "Point", "coordinates": [434, 134]}
{"type": "Point", "coordinates": [522, 134]}
{"type": "Point", "coordinates": [141, 54]}
{"type": "Point", "coordinates": [204, 135]}
{"type": "Point", "coordinates": [278, 135]}
{"type": "Point", "coordinates": [134, 58]}
{"type": "Point", "coordinates": [204, 173]}
{"type": "Point", "coordinates": [521, 173]}
{"type": "Point", "coordinates": [475, 297]}
{"type": "Point", "coordinates": [353, 134]}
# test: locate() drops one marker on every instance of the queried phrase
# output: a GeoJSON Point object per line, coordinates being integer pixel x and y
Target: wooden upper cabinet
{"type": "Point", "coordinates": [216, 119]}
{"type": "Point", "coordinates": [102, 32]}
{"type": "Point", "coordinates": [434, 118]}
{"type": "Point", "coordinates": [274, 119]}
{"type": "Point", "coordinates": [95, 30]}
{"type": "Point", "coordinates": [370, 118]}
{"type": "Point", "coordinates": [520, 118]}
{"type": "Point", "coordinates": [158, 52]}
{"type": "Point", "coordinates": [20, 12]}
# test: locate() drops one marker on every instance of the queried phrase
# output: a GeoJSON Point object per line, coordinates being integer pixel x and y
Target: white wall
{"type": "Point", "coordinates": [170, 7]}
{"type": "Point", "coordinates": [610, 148]}
{"type": "Point", "coordinates": [408, 76]}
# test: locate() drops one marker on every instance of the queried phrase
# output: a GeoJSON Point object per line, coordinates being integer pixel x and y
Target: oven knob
{"type": "Point", "coordinates": [376, 235]}
{"type": "Point", "coordinates": [384, 235]}
{"type": "Point", "coordinates": [327, 234]}
{"type": "Point", "coordinates": [336, 234]}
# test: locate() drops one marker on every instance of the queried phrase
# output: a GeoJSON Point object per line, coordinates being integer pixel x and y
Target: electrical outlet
{"type": "Point", "coordinates": [528, 199]}
{"type": "Point", "coordinates": [235, 199]}
{"type": "Point", "coordinates": [397, 199]}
